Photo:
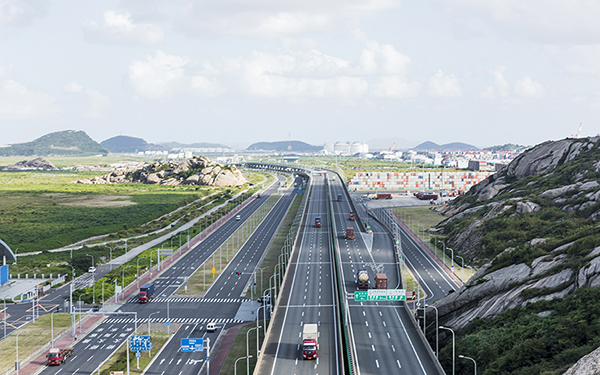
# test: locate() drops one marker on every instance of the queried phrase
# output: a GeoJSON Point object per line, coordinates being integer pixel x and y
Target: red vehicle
{"type": "Point", "coordinates": [318, 222]}
{"type": "Point", "coordinates": [310, 344]}
{"type": "Point", "coordinates": [425, 196]}
{"type": "Point", "coordinates": [384, 196]}
{"type": "Point", "coordinates": [146, 292]}
{"type": "Point", "coordinates": [57, 356]}
{"type": "Point", "coordinates": [351, 216]}
{"type": "Point", "coordinates": [350, 233]}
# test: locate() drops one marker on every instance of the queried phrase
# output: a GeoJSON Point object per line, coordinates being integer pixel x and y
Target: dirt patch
{"type": "Point", "coordinates": [98, 201]}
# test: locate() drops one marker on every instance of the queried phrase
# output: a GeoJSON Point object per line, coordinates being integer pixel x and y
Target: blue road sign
{"type": "Point", "coordinates": [207, 358]}
{"type": "Point", "coordinates": [139, 343]}
{"type": "Point", "coordinates": [192, 345]}
{"type": "Point", "coordinates": [168, 323]}
{"type": "Point", "coordinates": [138, 354]}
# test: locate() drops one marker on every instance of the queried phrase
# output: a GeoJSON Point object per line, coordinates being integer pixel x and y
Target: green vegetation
{"type": "Point", "coordinates": [238, 349]}
{"type": "Point", "coordinates": [68, 142]}
{"type": "Point", "coordinates": [118, 362]}
{"type": "Point", "coordinates": [521, 342]}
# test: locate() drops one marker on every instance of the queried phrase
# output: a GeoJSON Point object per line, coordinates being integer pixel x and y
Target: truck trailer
{"type": "Point", "coordinates": [384, 196]}
{"type": "Point", "coordinates": [362, 279]}
{"type": "Point", "coordinates": [350, 233]}
{"type": "Point", "coordinates": [381, 281]}
{"type": "Point", "coordinates": [310, 343]}
{"type": "Point", "coordinates": [339, 197]}
{"type": "Point", "coordinates": [57, 356]}
{"type": "Point", "coordinates": [146, 293]}
{"type": "Point", "coordinates": [351, 216]}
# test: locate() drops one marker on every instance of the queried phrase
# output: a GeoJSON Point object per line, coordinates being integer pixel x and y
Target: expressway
{"type": "Point", "coordinates": [384, 339]}
{"type": "Point", "coordinates": [188, 315]}
{"type": "Point", "coordinates": [307, 298]}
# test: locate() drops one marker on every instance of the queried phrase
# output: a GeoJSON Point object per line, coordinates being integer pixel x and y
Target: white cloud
{"type": "Point", "coordinates": [18, 103]}
{"type": "Point", "coordinates": [488, 93]}
{"type": "Point", "coordinates": [295, 75]}
{"type": "Point", "coordinates": [162, 75]}
{"type": "Point", "coordinates": [527, 88]}
{"type": "Point", "coordinates": [5, 70]}
{"type": "Point", "coordinates": [395, 87]}
{"type": "Point", "coordinates": [97, 103]}
{"type": "Point", "coordinates": [73, 87]}
{"type": "Point", "coordinates": [390, 61]}
{"type": "Point", "coordinates": [441, 86]}
{"type": "Point", "coordinates": [501, 84]}
{"type": "Point", "coordinates": [20, 12]}
{"type": "Point", "coordinates": [548, 21]}
{"type": "Point", "coordinates": [588, 60]}
{"type": "Point", "coordinates": [120, 29]}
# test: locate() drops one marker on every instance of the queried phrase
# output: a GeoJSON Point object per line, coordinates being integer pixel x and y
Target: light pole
{"type": "Point", "coordinates": [452, 261]}
{"type": "Point", "coordinates": [462, 267]}
{"type": "Point", "coordinates": [235, 364]}
{"type": "Point", "coordinates": [248, 350]}
{"type": "Point", "coordinates": [123, 281]}
{"type": "Point", "coordinates": [71, 302]}
{"type": "Point", "coordinates": [18, 365]}
{"type": "Point", "coordinates": [436, 331]}
{"type": "Point", "coordinates": [115, 281]}
{"type": "Point", "coordinates": [93, 280]}
{"type": "Point", "coordinates": [103, 291]}
{"type": "Point", "coordinates": [4, 300]}
{"type": "Point", "coordinates": [52, 328]}
{"type": "Point", "coordinates": [453, 348]}
{"type": "Point", "coordinates": [138, 271]}
{"type": "Point", "coordinates": [474, 363]}
{"type": "Point", "coordinates": [79, 304]}
{"type": "Point", "coordinates": [149, 316]}
{"type": "Point", "coordinates": [110, 261]}
{"type": "Point", "coordinates": [152, 252]}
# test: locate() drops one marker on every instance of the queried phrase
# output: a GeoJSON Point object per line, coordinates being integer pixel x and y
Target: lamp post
{"type": "Point", "coordinates": [123, 281]}
{"type": "Point", "coordinates": [149, 316]}
{"type": "Point", "coordinates": [152, 252]}
{"type": "Point", "coordinates": [462, 267]}
{"type": "Point", "coordinates": [4, 300]}
{"type": "Point", "coordinates": [474, 363]}
{"type": "Point", "coordinates": [436, 331]}
{"type": "Point", "coordinates": [248, 350]}
{"type": "Point", "coordinates": [18, 365]}
{"type": "Point", "coordinates": [71, 302]}
{"type": "Point", "coordinates": [93, 280]}
{"type": "Point", "coordinates": [52, 329]}
{"type": "Point", "coordinates": [138, 271]}
{"type": "Point", "coordinates": [79, 304]}
{"type": "Point", "coordinates": [110, 261]}
{"type": "Point", "coordinates": [115, 281]}
{"type": "Point", "coordinates": [235, 364]}
{"type": "Point", "coordinates": [453, 348]}
{"type": "Point", "coordinates": [452, 261]}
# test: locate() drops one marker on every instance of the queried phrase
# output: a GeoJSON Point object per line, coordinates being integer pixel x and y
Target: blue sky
{"type": "Point", "coordinates": [238, 72]}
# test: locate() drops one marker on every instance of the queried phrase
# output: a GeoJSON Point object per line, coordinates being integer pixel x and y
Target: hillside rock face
{"type": "Point", "coordinates": [198, 170]}
{"type": "Point", "coordinates": [38, 163]}
{"type": "Point", "coordinates": [559, 186]}
{"type": "Point", "coordinates": [588, 365]}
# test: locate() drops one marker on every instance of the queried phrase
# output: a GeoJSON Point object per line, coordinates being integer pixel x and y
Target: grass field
{"type": "Point", "coordinates": [238, 349]}
{"type": "Point", "coordinates": [118, 361]}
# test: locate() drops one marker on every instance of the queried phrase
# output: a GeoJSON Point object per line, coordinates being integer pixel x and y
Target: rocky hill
{"type": "Point", "coordinates": [65, 143]}
{"type": "Point", "coordinates": [198, 170]}
{"type": "Point", "coordinates": [533, 231]}
{"type": "Point", "coordinates": [37, 163]}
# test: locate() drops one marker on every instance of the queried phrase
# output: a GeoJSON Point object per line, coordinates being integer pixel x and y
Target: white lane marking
{"type": "Point", "coordinates": [90, 358]}
{"type": "Point", "coordinates": [373, 347]}
{"type": "Point", "coordinates": [398, 362]}
{"type": "Point", "coordinates": [377, 363]}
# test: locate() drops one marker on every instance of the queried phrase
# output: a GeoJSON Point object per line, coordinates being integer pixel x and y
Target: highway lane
{"type": "Point", "coordinates": [384, 338]}
{"type": "Point", "coordinates": [310, 299]}
{"type": "Point", "coordinates": [223, 310]}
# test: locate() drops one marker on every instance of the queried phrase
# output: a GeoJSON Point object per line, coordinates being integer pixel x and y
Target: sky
{"type": "Point", "coordinates": [237, 72]}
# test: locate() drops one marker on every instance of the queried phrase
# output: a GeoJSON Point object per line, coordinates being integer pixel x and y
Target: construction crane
{"type": "Point", "coordinates": [579, 133]}
{"type": "Point", "coordinates": [394, 145]}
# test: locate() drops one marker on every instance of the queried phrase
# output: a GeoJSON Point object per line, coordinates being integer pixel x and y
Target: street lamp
{"type": "Point", "coordinates": [453, 348]}
{"type": "Point", "coordinates": [248, 349]}
{"type": "Point", "coordinates": [123, 281]}
{"type": "Point", "coordinates": [150, 316]}
{"type": "Point", "coordinates": [235, 364]}
{"type": "Point", "coordinates": [18, 365]}
{"type": "Point", "coordinates": [436, 331]}
{"type": "Point", "coordinates": [4, 300]}
{"type": "Point", "coordinates": [79, 304]}
{"type": "Point", "coordinates": [71, 301]}
{"type": "Point", "coordinates": [462, 267]}
{"type": "Point", "coordinates": [452, 259]}
{"type": "Point", "coordinates": [93, 280]}
{"type": "Point", "coordinates": [138, 271]}
{"type": "Point", "coordinates": [474, 363]}
{"type": "Point", "coordinates": [52, 328]}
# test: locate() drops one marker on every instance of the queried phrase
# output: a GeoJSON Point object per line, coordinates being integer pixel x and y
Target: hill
{"type": "Point", "coordinates": [64, 143]}
{"type": "Point", "coordinates": [431, 146]}
{"type": "Point", "coordinates": [172, 145]}
{"type": "Point", "coordinates": [506, 147]}
{"type": "Point", "coordinates": [125, 144]}
{"type": "Point", "coordinates": [282, 146]}
{"type": "Point", "coordinates": [532, 229]}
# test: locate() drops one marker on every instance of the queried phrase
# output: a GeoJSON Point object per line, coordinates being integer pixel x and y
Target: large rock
{"type": "Point", "coordinates": [587, 365]}
{"type": "Point", "coordinates": [38, 163]}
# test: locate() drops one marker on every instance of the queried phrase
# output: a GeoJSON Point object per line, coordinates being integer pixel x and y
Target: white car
{"type": "Point", "coordinates": [211, 327]}
{"type": "Point", "coordinates": [238, 217]}
{"type": "Point", "coordinates": [92, 269]}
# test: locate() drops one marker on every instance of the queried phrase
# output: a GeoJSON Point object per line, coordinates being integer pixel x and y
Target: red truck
{"type": "Point", "coordinates": [350, 233]}
{"type": "Point", "coordinates": [57, 356]}
{"type": "Point", "coordinates": [318, 222]}
{"type": "Point", "coordinates": [146, 293]}
{"type": "Point", "coordinates": [426, 196]}
{"type": "Point", "coordinates": [384, 196]}
{"type": "Point", "coordinates": [310, 344]}
{"type": "Point", "coordinates": [351, 216]}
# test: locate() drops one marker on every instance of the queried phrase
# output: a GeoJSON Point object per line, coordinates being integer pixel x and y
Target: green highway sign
{"type": "Point", "coordinates": [381, 295]}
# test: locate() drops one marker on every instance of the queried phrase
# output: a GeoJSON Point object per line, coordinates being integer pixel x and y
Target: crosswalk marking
{"type": "Point", "coordinates": [173, 320]}
{"type": "Point", "coordinates": [192, 300]}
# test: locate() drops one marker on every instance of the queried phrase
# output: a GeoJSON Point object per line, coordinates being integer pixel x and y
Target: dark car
{"type": "Point", "coordinates": [264, 299]}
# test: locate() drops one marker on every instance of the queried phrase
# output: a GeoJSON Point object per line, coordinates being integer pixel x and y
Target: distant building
{"type": "Point", "coordinates": [480, 165]}
{"type": "Point", "coordinates": [346, 148]}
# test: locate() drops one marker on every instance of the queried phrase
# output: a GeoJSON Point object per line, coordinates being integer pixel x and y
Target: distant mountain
{"type": "Point", "coordinates": [125, 144]}
{"type": "Point", "coordinates": [64, 143]}
{"type": "Point", "coordinates": [172, 145]}
{"type": "Point", "coordinates": [296, 146]}
{"type": "Point", "coordinates": [508, 146]}
{"type": "Point", "coordinates": [431, 146]}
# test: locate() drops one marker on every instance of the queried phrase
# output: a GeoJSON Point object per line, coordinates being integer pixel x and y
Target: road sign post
{"type": "Point", "coordinates": [192, 345]}
{"type": "Point", "coordinates": [139, 343]}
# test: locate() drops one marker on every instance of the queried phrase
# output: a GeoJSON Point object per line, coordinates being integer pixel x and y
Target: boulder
{"type": "Point", "coordinates": [587, 365]}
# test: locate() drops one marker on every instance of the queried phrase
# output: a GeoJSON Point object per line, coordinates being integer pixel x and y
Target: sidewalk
{"type": "Point", "coordinates": [216, 364]}
{"type": "Point", "coordinates": [39, 363]}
